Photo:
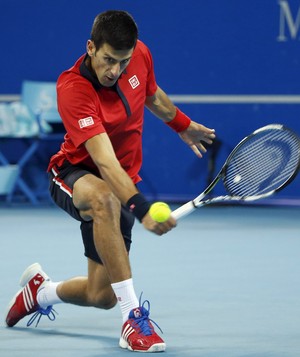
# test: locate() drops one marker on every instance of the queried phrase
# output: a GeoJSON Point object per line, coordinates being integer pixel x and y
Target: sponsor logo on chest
{"type": "Point", "coordinates": [134, 82]}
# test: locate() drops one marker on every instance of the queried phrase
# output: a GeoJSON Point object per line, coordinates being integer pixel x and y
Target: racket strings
{"type": "Point", "coordinates": [262, 163]}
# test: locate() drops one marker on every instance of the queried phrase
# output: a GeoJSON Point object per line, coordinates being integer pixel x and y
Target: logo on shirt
{"type": "Point", "coordinates": [85, 122]}
{"type": "Point", "coordinates": [134, 82]}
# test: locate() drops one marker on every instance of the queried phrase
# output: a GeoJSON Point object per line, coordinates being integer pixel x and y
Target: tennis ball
{"type": "Point", "coordinates": [160, 212]}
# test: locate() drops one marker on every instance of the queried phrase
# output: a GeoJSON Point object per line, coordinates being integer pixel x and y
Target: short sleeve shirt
{"type": "Point", "coordinates": [88, 109]}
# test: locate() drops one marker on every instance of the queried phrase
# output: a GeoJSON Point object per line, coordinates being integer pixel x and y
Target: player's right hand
{"type": "Point", "coordinates": [156, 227]}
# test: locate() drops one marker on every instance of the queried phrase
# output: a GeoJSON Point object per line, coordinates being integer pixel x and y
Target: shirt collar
{"type": "Point", "coordinates": [86, 73]}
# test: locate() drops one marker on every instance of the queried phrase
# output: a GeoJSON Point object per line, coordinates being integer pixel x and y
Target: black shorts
{"type": "Point", "coordinates": [61, 187]}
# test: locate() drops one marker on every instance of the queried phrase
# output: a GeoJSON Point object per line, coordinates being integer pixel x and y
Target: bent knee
{"type": "Point", "coordinates": [107, 201]}
{"type": "Point", "coordinates": [102, 205]}
{"type": "Point", "coordinates": [109, 304]}
{"type": "Point", "coordinates": [103, 301]}
{"type": "Point", "coordinates": [106, 206]}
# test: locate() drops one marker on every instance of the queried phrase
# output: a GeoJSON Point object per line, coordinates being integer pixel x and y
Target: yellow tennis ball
{"type": "Point", "coordinates": [160, 212]}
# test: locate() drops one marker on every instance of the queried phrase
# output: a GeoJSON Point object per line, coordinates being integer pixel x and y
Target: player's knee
{"type": "Point", "coordinates": [109, 304]}
{"type": "Point", "coordinates": [103, 301]}
{"type": "Point", "coordinates": [105, 204]}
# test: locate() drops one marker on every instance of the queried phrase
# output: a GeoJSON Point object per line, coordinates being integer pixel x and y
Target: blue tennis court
{"type": "Point", "coordinates": [225, 283]}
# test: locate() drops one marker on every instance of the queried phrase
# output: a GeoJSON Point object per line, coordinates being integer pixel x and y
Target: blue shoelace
{"type": "Point", "coordinates": [49, 312]}
{"type": "Point", "coordinates": [143, 321]}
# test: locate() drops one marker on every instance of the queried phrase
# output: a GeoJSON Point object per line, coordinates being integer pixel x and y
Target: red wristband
{"type": "Point", "coordinates": [180, 123]}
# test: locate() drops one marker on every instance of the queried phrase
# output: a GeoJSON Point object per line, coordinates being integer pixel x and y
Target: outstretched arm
{"type": "Point", "coordinates": [192, 133]}
{"type": "Point", "coordinates": [101, 151]}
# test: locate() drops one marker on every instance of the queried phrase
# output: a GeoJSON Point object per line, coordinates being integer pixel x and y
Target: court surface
{"type": "Point", "coordinates": [225, 283]}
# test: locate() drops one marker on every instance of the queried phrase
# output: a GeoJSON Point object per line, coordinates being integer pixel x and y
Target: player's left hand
{"type": "Point", "coordinates": [195, 134]}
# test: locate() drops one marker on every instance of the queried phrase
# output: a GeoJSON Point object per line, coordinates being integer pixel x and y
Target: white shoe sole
{"type": "Point", "coordinates": [158, 347]}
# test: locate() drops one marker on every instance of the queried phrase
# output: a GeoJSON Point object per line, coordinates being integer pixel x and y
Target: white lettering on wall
{"type": "Point", "coordinates": [289, 25]}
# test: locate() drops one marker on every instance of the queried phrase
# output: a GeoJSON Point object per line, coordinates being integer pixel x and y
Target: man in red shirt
{"type": "Point", "coordinates": [101, 100]}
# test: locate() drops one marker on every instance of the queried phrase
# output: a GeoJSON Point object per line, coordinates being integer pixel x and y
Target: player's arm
{"type": "Point", "coordinates": [101, 151]}
{"type": "Point", "coordinates": [191, 133]}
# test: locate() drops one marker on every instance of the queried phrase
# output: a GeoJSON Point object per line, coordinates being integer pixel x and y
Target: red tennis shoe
{"type": "Point", "coordinates": [25, 301]}
{"type": "Point", "coordinates": [138, 332]}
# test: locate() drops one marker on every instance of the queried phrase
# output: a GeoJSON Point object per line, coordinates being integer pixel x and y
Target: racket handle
{"type": "Point", "coordinates": [183, 210]}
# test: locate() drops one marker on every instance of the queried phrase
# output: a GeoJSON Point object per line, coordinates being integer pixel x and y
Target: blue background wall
{"type": "Point", "coordinates": [200, 47]}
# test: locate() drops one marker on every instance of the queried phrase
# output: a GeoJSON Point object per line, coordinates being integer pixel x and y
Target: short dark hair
{"type": "Point", "coordinates": [117, 28]}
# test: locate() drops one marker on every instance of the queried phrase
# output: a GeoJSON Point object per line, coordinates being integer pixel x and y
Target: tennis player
{"type": "Point", "coordinates": [93, 177]}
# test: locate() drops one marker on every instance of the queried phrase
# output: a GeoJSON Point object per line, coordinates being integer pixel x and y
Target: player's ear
{"type": "Point", "coordinates": [90, 48]}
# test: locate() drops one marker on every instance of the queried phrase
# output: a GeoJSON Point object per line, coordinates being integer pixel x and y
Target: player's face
{"type": "Point", "coordinates": [108, 63]}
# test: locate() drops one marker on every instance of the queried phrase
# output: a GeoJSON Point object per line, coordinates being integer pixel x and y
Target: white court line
{"type": "Point", "coordinates": [236, 99]}
{"type": "Point", "coordinates": [210, 99]}
{"type": "Point", "coordinates": [9, 97]}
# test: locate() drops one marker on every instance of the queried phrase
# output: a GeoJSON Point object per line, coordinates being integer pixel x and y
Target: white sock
{"type": "Point", "coordinates": [126, 297]}
{"type": "Point", "coordinates": [47, 296]}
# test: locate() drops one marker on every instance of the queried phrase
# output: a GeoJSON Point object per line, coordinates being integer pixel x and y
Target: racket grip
{"type": "Point", "coordinates": [183, 210]}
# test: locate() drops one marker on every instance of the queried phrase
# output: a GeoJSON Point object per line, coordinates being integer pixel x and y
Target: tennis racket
{"type": "Point", "coordinates": [261, 164]}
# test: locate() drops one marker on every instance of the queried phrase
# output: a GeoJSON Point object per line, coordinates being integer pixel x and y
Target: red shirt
{"type": "Point", "coordinates": [88, 109]}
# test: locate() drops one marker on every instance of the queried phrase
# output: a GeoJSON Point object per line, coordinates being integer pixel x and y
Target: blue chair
{"type": "Point", "coordinates": [8, 176]}
{"type": "Point", "coordinates": [40, 98]}
{"type": "Point", "coordinates": [38, 101]}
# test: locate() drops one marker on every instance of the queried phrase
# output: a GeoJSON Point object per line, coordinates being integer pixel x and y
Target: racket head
{"type": "Point", "coordinates": [263, 163]}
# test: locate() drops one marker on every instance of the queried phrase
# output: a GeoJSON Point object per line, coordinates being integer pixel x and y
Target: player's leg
{"type": "Point", "coordinates": [93, 290]}
{"type": "Point", "coordinates": [95, 202]}
{"type": "Point", "coordinates": [39, 293]}
{"type": "Point", "coordinates": [137, 333]}
{"type": "Point", "coordinates": [104, 246]}
{"type": "Point", "coordinates": [94, 199]}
